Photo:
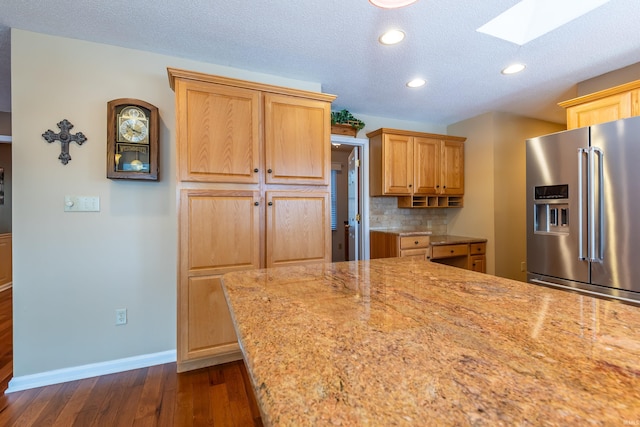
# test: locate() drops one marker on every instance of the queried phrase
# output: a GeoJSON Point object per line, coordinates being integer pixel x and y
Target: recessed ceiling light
{"type": "Point", "coordinates": [391, 4]}
{"type": "Point", "coordinates": [514, 68]}
{"type": "Point", "coordinates": [391, 37]}
{"type": "Point", "coordinates": [416, 83]}
{"type": "Point", "coordinates": [530, 19]}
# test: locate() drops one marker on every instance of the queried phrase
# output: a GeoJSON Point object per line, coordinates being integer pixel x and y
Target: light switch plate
{"type": "Point", "coordinates": [81, 204]}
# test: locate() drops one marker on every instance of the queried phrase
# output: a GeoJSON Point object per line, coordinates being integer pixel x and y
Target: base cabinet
{"type": "Point", "coordinates": [230, 242]}
{"type": "Point", "coordinates": [297, 225]}
{"type": "Point", "coordinates": [406, 245]}
{"type": "Point", "coordinates": [253, 182]}
{"type": "Point", "coordinates": [470, 256]}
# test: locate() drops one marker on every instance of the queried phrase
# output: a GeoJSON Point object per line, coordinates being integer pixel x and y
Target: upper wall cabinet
{"type": "Point", "coordinates": [218, 128]}
{"type": "Point", "coordinates": [297, 140]}
{"type": "Point", "coordinates": [619, 102]}
{"type": "Point", "coordinates": [424, 170]}
{"type": "Point", "coordinates": [221, 136]}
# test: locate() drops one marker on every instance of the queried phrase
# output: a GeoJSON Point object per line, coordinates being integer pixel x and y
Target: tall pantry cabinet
{"type": "Point", "coordinates": [253, 192]}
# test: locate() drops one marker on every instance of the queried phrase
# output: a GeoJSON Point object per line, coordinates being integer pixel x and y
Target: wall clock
{"type": "Point", "coordinates": [132, 139]}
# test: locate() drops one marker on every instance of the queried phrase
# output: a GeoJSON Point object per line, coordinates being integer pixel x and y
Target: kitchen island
{"type": "Point", "coordinates": [401, 341]}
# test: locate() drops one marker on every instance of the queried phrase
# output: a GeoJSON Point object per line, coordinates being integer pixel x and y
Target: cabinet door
{"type": "Point", "coordinates": [206, 328]}
{"type": "Point", "coordinates": [219, 232]}
{"type": "Point", "coordinates": [603, 110]}
{"type": "Point", "coordinates": [478, 263]}
{"type": "Point", "coordinates": [397, 164]}
{"type": "Point", "coordinates": [426, 161]}
{"type": "Point", "coordinates": [452, 167]}
{"type": "Point", "coordinates": [218, 130]}
{"type": "Point", "coordinates": [298, 227]}
{"type": "Point", "coordinates": [297, 140]}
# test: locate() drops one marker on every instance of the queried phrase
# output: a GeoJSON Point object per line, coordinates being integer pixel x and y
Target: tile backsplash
{"type": "Point", "coordinates": [384, 212]}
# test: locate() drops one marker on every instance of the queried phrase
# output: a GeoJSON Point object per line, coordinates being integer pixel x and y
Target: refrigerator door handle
{"type": "Point", "coordinates": [597, 250]}
{"type": "Point", "coordinates": [581, 153]}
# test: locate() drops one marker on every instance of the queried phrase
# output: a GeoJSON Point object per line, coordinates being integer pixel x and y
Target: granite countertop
{"type": "Point", "coordinates": [447, 239]}
{"type": "Point", "coordinates": [399, 341]}
{"type": "Point", "coordinates": [403, 231]}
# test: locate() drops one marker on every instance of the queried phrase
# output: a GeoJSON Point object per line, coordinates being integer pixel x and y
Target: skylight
{"type": "Point", "coordinates": [530, 19]}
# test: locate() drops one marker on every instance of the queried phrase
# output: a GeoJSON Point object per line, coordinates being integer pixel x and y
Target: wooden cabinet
{"type": "Point", "coordinates": [618, 102]}
{"type": "Point", "coordinates": [296, 135]}
{"type": "Point", "coordinates": [253, 170]}
{"type": "Point", "coordinates": [219, 233]}
{"type": "Point", "coordinates": [471, 256]}
{"type": "Point", "coordinates": [388, 244]}
{"type": "Point", "coordinates": [424, 170]}
{"type": "Point", "coordinates": [462, 252]}
{"type": "Point", "coordinates": [297, 224]}
{"type": "Point", "coordinates": [478, 257]}
{"type": "Point", "coordinates": [452, 167]}
{"type": "Point", "coordinates": [218, 129]}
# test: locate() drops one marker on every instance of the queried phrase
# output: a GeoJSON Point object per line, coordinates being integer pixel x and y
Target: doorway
{"type": "Point", "coordinates": [349, 198]}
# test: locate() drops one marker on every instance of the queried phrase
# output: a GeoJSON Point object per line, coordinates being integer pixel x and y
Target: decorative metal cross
{"type": "Point", "coordinates": [65, 138]}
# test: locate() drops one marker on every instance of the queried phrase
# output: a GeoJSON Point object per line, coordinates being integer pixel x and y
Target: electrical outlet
{"type": "Point", "coordinates": [523, 266]}
{"type": "Point", "coordinates": [121, 316]}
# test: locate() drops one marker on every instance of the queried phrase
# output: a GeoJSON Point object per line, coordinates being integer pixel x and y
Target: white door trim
{"type": "Point", "coordinates": [364, 143]}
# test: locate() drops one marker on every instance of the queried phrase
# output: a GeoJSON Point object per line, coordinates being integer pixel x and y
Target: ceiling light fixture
{"type": "Point", "coordinates": [391, 4]}
{"type": "Point", "coordinates": [391, 37]}
{"type": "Point", "coordinates": [514, 68]}
{"type": "Point", "coordinates": [416, 83]}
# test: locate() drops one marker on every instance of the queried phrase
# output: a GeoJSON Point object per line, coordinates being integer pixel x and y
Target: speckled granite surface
{"type": "Point", "coordinates": [447, 239]}
{"type": "Point", "coordinates": [403, 342]}
{"type": "Point", "coordinates": [401, 231]}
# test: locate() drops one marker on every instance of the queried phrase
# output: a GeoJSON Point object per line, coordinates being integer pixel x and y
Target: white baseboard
{"type": "Point", "coordinates": [87, 371]}
{"type": "Point", "coordinates": [6, 286]}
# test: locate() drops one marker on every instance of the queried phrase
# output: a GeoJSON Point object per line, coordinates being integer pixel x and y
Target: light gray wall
{"type": "Point", "coordinates": [608, 80]}
{"type": "Point", "coordinates": [73, 270]}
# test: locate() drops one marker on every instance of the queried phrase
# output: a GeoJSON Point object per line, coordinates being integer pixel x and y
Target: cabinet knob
{"type": "Point", "coordinates": [444, 186]}
{"type": "Point", "coordinates": [270, 203]}
{"type": "Point", "coordinates": [269, 171]}
{"type": "Point", "coordinates": [256, 170]}
{"type": "Point", "coordinates": [409, 185]}
{"type": "Point", "coordinates": [256, 204]}
{"type": "Point", "coordinates": [451, 251]}
{"type": "Point", "coordinates": [416, 242]}
{"type": "Point", "coordinates": [437, 186]}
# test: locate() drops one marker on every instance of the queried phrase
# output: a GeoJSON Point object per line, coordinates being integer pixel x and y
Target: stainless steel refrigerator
{"type": "Point", "coordinates": [583, 209]}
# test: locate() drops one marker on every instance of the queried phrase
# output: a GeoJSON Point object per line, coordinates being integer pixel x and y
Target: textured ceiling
{"type": "Point", "coordinates": [334, 42]}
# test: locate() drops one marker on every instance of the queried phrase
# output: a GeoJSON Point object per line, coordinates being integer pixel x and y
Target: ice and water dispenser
{"type": "Point", "coordinates": [551, 209]}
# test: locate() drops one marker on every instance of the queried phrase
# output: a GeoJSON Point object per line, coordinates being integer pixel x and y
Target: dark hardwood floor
{"type": "Point", "coordinates": [155, 396]}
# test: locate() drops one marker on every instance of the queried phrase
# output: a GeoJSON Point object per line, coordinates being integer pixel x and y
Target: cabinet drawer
{"type": "Point", "coordinates": [413, 242]}
{"type": "Point", "coordinates": [478, 248]}
{"type": "Point", "coordinates": [414, 253]}
{"type": "Point", "coordinates": [447, 251]}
